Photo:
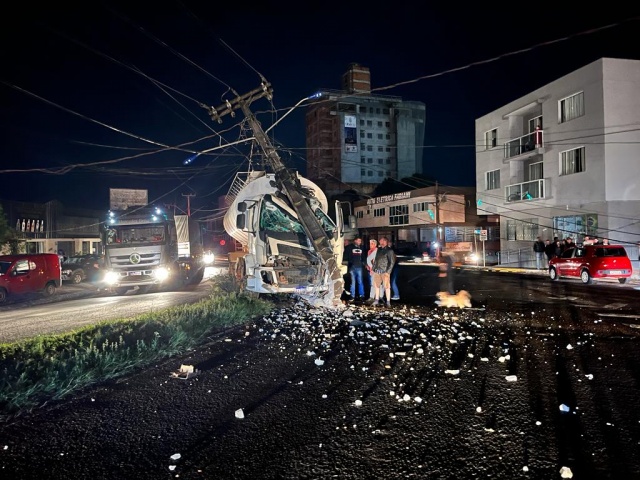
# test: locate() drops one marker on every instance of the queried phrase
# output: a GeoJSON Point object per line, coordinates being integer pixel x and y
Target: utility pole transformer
{"type": "Point", "coordinates": [288, 182]}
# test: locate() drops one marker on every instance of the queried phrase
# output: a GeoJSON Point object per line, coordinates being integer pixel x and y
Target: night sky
{"type": "Point", "coordinates": [111, 95]}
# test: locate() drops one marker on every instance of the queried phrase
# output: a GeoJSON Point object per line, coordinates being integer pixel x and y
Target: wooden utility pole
{"type": "Point", "coordinates": [189, 195]}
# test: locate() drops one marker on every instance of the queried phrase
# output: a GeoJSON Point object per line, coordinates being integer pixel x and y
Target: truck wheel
{"type": "Point", "coordinates": [3, 295]}
{"type": "Point", "coordinates": [76, 278]}
{"type": "Point", "coordinates": [143, 289]}
{"type": "Point", "coordinates": [121, 290]}
{"type": "Point", "coordinates": [49, 289]}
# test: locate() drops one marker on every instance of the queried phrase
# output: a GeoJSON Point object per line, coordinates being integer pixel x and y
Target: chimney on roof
{"type": "Point", "coordinates": [357, 79]}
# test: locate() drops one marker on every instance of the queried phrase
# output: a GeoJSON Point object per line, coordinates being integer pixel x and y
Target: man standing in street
{"type": "Point", "coordinates": [549, 250]}
{"type": "Point", "coordinates": [538, 248]}
{"type": "Point", "coordinates": [382, 267]}
{"type": "Point", "coordinates": [356, 260]}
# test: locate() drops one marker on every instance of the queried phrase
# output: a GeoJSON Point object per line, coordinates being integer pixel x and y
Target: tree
{"type": "Point", "coordinates": [8, 237]}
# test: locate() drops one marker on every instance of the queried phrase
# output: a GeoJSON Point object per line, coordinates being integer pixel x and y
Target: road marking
{"type": "Point", "coordinates": [618, 315]}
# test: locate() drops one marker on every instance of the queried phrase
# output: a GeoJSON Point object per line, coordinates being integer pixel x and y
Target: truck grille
{"type": "Point", "coordinates": [146, 260]}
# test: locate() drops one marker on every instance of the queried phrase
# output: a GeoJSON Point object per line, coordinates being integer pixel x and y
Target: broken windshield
{"type": "Point", "coordinates": [275, 219]}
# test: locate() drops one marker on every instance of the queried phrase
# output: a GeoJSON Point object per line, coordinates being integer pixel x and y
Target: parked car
{"type": "Point", "coordinates": [27, 273]}
{"type": "Point", "coordinates": [475, 258]}
{"type": "Point", "coordinates": [592, 262]}
{"type": "Point", "coordinates": [80, 268]}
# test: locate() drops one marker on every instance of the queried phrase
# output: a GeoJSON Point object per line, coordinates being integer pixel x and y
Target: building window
{"type": "Point", "coordinates": [572, 161]}
{"type": "Point", "coordinates": [380, 173]}
{"type": "Point", "coordinates": [370, 109]}
{"type": "Point", "coordinates": [388, 136]}
{"type": "Point", "coordinates": [387, 124]}
{"type": "Point", "coordinates": [399, 215]}
{"type": "Point", "coordinates": [369, 173]}
{"type": "Point", "coordinates": [380, 124]}
{"type": "Point", "coordinates": [363, 160]}
{"type": "Point", "coordinates": [535, 122]}
{"type": "Point", "coordinates": [369, 123]}
{"type": "Point", "coordinates": [526, 229]}
{"type": "Point", "coordinates": [387, 149]}
{"type": "Point", "coordinates": [379, 136]}
{"type": "Point", "coordinates": [571, 107]}
{"type": "Point", "coordinates": [381, 149]}
{"type": "Point", "coordinates": [360, 214]}
{"type": "Point", "coordinates": [388, 161]}
{"type": "Point", "coordinates": [492, 180]}
{"type": "Point", "coordinates": [362, 172]}
{"type": "Point", "coordinates": [369, 148]}
{"type": "Point", "coordinates": [575, 226]}
{"type": "Point", "coordinates": [369, 160]}
{"type": "Point", "coordinates": [369, 135]}
{"type": "Point", "coordinates": [379, 161]}
{"type": "Point", "coordinates": [421, 207]}
{"type": "Point", "coordinates": [361, 133]}
{"type": "Point", "coordinates": [361, 122]}
{"type": "Point", "coordinates": [535, 171]}
{"type": "Point", "coordinates": [385, 111]}
{"type": "Point", "coordinates": [491, 139]}
{"type": "Point", "coordinates": [378, 212]}
{"type": "Point", "coordinates": [377, 110]}
{"type": "Point", "coordinates": [363, 147]}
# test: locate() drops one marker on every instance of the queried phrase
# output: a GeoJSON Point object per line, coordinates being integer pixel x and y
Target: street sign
{"type": "Point", "coordinates": [483, 235]}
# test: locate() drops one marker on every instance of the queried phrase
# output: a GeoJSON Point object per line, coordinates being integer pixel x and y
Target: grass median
{"type": "Point", "coordinates": [50, 367]}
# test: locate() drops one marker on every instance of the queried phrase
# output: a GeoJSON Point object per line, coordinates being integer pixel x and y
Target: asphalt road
{"type": "Point", "coordinates": [75, 306]}
{"type": "Point", "coordinates": [534, 379]}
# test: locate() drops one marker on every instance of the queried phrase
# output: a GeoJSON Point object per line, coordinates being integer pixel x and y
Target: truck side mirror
{"type": "Point", "coordinates": [242, 207]}
{"type": "Point", "coordinates": [352, 221]}
{"type": "Point", "coordinates": [240, 221]}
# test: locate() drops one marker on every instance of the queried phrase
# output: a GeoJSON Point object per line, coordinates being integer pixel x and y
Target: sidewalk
{"type": "Point", "coordinates": [634, 279]}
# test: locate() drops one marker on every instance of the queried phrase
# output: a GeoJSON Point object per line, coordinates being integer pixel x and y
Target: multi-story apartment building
{"type": "Point", "coordinates": [356, 139]}
{"type": "Point", "coordinates": [564, 160]}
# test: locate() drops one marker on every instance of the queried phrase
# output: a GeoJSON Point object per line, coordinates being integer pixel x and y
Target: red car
{"type": "Point", "coordinates": [592, 261]}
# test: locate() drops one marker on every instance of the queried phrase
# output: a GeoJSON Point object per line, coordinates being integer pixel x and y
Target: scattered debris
{"type": "Point", "coordinates": [185, 372]}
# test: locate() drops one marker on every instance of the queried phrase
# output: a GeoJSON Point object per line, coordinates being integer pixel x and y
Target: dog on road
{"type": "Point", "coordinates": [461, 299]}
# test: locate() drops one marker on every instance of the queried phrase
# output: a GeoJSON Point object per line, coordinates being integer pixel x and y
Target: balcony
{"type": "Point", "coordinates": [526, 144]}
{"type": "Point", "coordinates": [521, 192]}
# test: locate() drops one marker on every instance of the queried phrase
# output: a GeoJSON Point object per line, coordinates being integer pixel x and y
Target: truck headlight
{"type": "Point", "coordinates": [208, 258]}
{"type": "Point", "coordinates": [111, 277]}
{"type": "Point", "coordinates": [161, 273]}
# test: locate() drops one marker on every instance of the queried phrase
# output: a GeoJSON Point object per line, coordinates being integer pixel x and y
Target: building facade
{"type": "Point", "coordinates": [51, 227]}
{"type": "Point", "coordinates": [355, 139]}
{"type": "Point", "coordinates": [425, 219]}
{"type": "Point", "coordinates": [563, 161]}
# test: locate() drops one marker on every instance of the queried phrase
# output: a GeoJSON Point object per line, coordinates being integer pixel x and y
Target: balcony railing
{"type": "Point", "coordinates": [519, 192]}
{"type": "Point", "coordinates": [526, 143]}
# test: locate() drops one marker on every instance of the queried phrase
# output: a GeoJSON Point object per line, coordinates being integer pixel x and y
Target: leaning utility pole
{"type": "Point", "coordinates": [288, 182]}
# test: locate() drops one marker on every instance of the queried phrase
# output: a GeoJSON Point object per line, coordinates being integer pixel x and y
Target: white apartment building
{"type": "Point", "coordinates": [564, 161]}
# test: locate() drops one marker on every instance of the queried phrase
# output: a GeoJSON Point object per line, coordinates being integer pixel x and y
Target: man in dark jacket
{"type": "Point", "coordinates": [356, 258]}
{"type": "Point", "coordinates": [382, 267]}
{"type": "Point", "coordinates": [549, 250]}
{"type": "Point", "coordinates": [538, 248]}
